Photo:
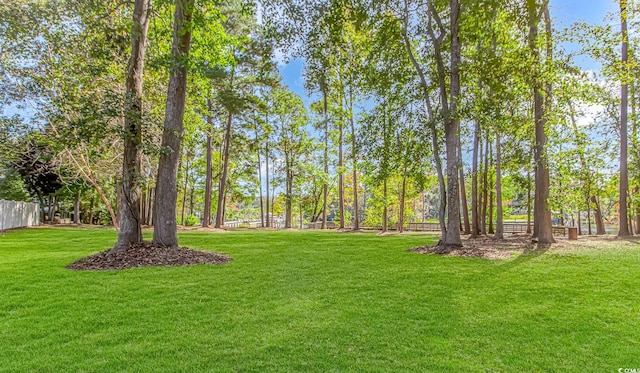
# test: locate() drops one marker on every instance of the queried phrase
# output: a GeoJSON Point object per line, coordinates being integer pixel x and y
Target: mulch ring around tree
{"type": "Point", "coordinates": [485, 247]}
{"type": "Point", "coordinates": [145, 255]}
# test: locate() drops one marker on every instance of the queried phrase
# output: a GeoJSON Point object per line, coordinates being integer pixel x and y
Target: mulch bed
{"type": "Point", "coordinates": [485, 247]}
{"type": "Point", "coordinates": [145, 255]}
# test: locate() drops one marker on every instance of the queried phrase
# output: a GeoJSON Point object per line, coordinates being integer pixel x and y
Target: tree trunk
{"type": "Point", "coordinates": [485, 186]}
{"type": "Point", "coordinates": [151, 206]}
{"type": "Point", "coordinates": [266, 159]}
{"type": "Point", "coordinates": [597, 215]}
{"type": "Point", "coordinates": [206, 216]}
{"type": "Point", "coordinates": [499, 225]}
{"type": "Point", "coordinates": [260, 185]}
{"type": "Point", "coordinates": [130, 227]}
{"type": "Point", "coordinates": [589, 217]}
{"type": "Point", "coordinates": [325, 186]}
{"type": "Point", "coordinates": [624, 103]}
{"type": "Point", "coordinates": [542, 213]}
{"type": "Point", "coordinates": [354, 156]}
{"type": "Point", "coordinates": [528, 200]}
{"type": "Point", "coordinates": [385, 210]}
{"type": "Point", "coordinates": [463, 192]}
{"type": "Point", "coordinates": [435, 147]}
{"type": "Point", "coordinates": [403, 191]}
{"type": "Point", "coordinates": [76, 209]}
{"type": "Point", "coordinates": [184, 194]}
{"type": "Point", "coordinates": [225, 173]}
{"type": "Point", "coordinates": [340, 171]}
{"type": "Point", "coordinates": [452, 135]}
{"type": "Point", "coordinates": [166, 232]}
{"type": "Point", "coordinates": [475, 226]}
{"type": "Point", "coordinates": [288, 219]}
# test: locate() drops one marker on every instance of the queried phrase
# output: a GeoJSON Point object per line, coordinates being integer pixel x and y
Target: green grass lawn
{"type": "Point", "coordinates": [315, 301]}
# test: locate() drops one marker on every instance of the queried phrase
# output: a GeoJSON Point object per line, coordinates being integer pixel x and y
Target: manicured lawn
{"type": "Point", "coordinates": [315, 301]}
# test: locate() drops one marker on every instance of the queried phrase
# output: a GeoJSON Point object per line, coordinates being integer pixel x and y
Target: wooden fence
{"type": "Point", "coordinates": [15, 214]}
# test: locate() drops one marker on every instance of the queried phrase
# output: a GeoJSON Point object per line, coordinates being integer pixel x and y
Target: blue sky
{"type": "Point", "coordinates": [563, 12]}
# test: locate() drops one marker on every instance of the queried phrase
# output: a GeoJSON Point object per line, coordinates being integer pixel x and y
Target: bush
{"type": "Point", "coordinates": [191, 220]}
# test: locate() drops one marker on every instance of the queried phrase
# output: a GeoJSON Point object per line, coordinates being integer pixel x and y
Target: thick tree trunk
{"type": "Point", "coordinates": [166, 232]}
{"type": "Point", "coordinates": [499, 225]}
{"type": "Point", "coordinates": [452, 134]}
{"type": "Point", "coordinates": [542, 213]}
{"type": "Point", "coordinates": [225, 174]}
{"type": "Point", "coordinates": [130, 227]}
{"type": "Point", "coordinates": [206, 216]}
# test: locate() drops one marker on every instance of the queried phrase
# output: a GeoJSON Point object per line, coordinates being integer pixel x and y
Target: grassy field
{"type": "Point", "coordinates": [315, 301]}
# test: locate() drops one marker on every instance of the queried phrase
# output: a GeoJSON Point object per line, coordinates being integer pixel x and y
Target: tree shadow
{"type": "Point", "coordinates": [529, 253]}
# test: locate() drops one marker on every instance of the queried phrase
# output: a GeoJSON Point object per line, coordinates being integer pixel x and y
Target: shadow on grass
{"type": "Point", "coordinates": [528, 254]}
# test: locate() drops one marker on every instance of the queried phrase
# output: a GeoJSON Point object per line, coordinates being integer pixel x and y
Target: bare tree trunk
{"type": "Point", "coordinates": [151, 206]}
{"type": "Point", "coordinates": [184, 194]}
{"type": "Point", "coordinates": [589, 217]}
{"type": "Point", "coordinates": [385, 210]}
{"type": "Point", "coordinates": [166, 232]}
{"type": "Point", "coordinates": [325, 186]}
{"type": "Point", "coordinates": [463, 193]}
{"type": "Point", "coordinates": [260, 186]}
{"type": "Point", "coordinates": [452, 134]}
{"type": "Point", "coordinates": [597, 215]}
{"type": "Point", "coordinates": [403, 191]}
{"type": "Point", "coordinates": [288, 219]}
{"type": "Point", "coordinates": [206, 216]}
{"type": "Point", "coordinates": [435, 147]}
{"type": "Point", "coordinates": [340, 171]}
{"type": "Point", "coordinates": [130, 227]}
{"type": "Point", "coordinates": [499, 225]}
{"type": "Point", "coordinates": [542, 213]}
{"type": "Point", "coordinates": [624, 103]}
{"type": "Point", "coordinates": [225, 173]}
{"type": "Point", "coordinates": [268, 224]}
{"type": "Point", "coordinates": [475, 226]}
{"type": "Point", "coordinates": [528, 200]}
{"type": "Point", "coordinates": [76, 209]}
{"type": "Point", "coordinates": [354, 155]}
{"type": "Point", "coordinates": [485, 186]}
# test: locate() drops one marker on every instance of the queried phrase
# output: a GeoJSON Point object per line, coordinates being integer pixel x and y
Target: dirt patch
{"type": "Point", "coordinates": [486, 247]}
{"type": "Point", "coordinates": [146, 255]}
{"type": "Point", "coordinates": [490, 248]}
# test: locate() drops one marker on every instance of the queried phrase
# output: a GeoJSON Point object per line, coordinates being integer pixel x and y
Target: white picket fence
{"type": "Point", "coordinates": [18, 214]}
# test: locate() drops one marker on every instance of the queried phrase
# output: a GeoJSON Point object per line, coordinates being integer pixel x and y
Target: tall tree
{"type": "Point", "coordinates": [130, 221]}
{"type": "Point", "coordinates": [623, 230]}
{"type": "Point", "coordinates": [165, 229]}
